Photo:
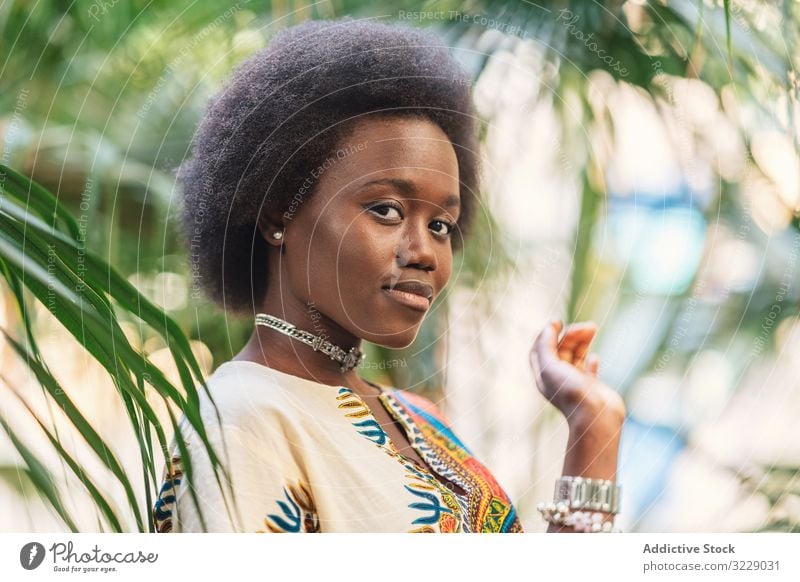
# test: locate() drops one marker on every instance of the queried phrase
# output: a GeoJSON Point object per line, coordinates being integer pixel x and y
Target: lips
{"type": "Point", "coordinates": [414, 294]}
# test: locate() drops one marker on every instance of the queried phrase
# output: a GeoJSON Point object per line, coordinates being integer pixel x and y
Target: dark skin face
{"type": "Point", "coordinates": [382, 212]}
{"type": "Point", "coordinates": [344, 243]}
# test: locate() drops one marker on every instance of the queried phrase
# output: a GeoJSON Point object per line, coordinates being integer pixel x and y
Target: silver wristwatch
{"type": "Point", "coordinates": [586, 493]}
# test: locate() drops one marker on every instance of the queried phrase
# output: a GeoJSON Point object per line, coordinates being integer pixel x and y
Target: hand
{"type": "Point", "coordinates": [566, 375]}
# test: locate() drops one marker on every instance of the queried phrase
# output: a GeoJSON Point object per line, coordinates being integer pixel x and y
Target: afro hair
{"type": "Point", "coordinates": [282, 113]}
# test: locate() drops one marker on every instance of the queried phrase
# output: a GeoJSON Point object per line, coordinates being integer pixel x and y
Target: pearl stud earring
{"type": "Point", "coordinates": [277, 235]}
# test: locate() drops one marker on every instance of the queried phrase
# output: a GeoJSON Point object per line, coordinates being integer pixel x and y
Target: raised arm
{"type": "Point", "coordinates": [566, 374]}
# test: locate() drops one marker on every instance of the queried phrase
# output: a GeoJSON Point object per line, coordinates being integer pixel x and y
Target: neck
{"type": "Point", "coordinates": [276, 350]}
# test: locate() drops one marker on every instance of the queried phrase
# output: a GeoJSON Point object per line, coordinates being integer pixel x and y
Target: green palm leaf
{"type": "Point", "coordinates": [81, 291]}
{"type": "Point", "coordinates": [85, 429]}
{"type": "Point", "coordinates": [40, 477]}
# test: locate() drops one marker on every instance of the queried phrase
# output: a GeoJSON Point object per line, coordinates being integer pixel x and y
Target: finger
{"type": "Point", "coordinates": [577, 333]}
{"type": "Point", "coordinates": [580, 351]}
{"type": "Point", "coordinates": [547, 367]}
{"type": "Point", "coordinates": [558, 328]}
{"type": "Point", "coordinates": [579, 356]}
{"type": "Point", "coordinates": [573, 346]}
{"type": "Point", "coordinates": [567, 355]}
{"type": "Point", "coordinates": [593, 365]}
{"type": "Point", "coordinates": [545, 346]}
{"type": "Point", "coordinates": [546, 343]}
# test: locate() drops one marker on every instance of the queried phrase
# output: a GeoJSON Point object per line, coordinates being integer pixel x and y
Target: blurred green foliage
{"type": "Point", "coordinates": [99, 99]}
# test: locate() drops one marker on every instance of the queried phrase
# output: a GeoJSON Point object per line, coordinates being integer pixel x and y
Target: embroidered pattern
{"type": "Point", "coordinates": [165, 503]}
{"type": "Point", "coordinates": [355, 407]}
{"type": "Point", "coordinates": [373, 431]}
{"type": "Point", "coordinates": [430, 504]}
{"type": "Point", "coordinates": [486, 504]}
{"type": "Point", "coordinates": [487, 507]}
{"type": "Point", "coordinates": [299, 513]}
{"type": "Point", "coordinates": [423, 485]}
{"type": "Point", "coordinates": [427, 489]}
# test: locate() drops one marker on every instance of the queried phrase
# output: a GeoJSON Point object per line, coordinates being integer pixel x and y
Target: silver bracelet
{"type": "Point", "coordinates": [574, 495]}
{"type": "Point", "coordinates": [585, 493]}
{"type": "Point", "coordinates": [581, 521]}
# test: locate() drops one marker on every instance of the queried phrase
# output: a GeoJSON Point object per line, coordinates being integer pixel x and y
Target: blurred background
{"type": "Point", "coordinates": [642, 171]}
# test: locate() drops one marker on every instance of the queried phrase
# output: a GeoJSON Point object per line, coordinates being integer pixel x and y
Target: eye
{"type": "Point", "coordinates": [387, 210]}
{"type": "Point", "coordinates": [448, 227]}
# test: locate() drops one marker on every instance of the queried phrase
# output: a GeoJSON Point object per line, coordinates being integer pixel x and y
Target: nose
{"type": "Point", "coordinates": [416, 248]}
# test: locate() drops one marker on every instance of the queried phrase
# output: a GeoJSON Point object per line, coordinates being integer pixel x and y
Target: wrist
{"type": "Point", "coordinates": [597, 415]}
{"type": "Point", "coordinates": [593, 446]}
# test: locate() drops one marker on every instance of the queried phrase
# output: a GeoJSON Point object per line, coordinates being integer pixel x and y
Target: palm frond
{"type": "Point", "coordinates": [82, 292]}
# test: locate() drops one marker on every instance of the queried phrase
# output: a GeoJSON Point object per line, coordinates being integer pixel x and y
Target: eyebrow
{"type": "Point", "coordinates": [409, 189]}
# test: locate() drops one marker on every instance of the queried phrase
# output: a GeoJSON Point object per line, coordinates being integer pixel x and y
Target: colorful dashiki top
{"type": "Point", "coordinates": [307, 457]}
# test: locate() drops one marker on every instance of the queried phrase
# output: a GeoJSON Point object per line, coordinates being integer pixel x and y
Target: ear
{"type": "Point", "coordinates": [272, 227]}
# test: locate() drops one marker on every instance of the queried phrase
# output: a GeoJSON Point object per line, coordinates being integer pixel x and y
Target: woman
{"type": "Point", "coordinates": [331, 182]}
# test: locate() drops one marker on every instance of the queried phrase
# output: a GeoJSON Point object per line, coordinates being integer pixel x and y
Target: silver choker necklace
{"type": "Point", "coordinates": [348, 359]}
